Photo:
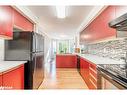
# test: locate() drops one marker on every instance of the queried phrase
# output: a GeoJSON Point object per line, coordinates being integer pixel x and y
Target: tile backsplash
{"type": "Point", "coordinates": [114, 49]}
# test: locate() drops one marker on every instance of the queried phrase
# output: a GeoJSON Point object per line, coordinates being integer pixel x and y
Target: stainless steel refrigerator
{"type": "Point", "coordinates": [27, 46]}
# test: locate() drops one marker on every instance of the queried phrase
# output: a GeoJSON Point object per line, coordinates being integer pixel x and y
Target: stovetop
{"type": "Point", "coordinates": [116, 69]}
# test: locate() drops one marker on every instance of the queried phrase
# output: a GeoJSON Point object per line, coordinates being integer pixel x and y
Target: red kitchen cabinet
{"type": "Point", "coordinates": [88, 72]}
{"type": "Point", "coordinates": [108, 15]}
{"type": "Point", "coordinates": [6, 22]}
{"type": "Point", "coordinates": [22, 22]}
{"type": "Point", "coordinates": [84, 71]}
{"type": "Point", "coordinates": [14, 79]}
{"type": "Point", "coordinates": [1, 80]}
{"type": "Point", "coordinates": [120, 10]}
{"type": "Point", "coordinates": [66, 61]}
{"type": "Point", "coordinates": [99, 28]}
{"type": "Point", "coordinates": [92, 76]}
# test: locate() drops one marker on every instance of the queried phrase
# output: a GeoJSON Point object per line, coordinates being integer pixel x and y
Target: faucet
{"type": "Point", "coordinates": [125, 59]}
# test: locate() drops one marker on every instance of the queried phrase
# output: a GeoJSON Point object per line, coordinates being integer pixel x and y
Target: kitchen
{"type": "Point", "coordinates": [43, 50]}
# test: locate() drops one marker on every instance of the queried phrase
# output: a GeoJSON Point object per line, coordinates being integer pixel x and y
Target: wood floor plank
{"type": "Point", "coordinates": [63, 78]}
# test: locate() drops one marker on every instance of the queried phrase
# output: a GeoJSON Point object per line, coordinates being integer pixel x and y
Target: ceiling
{"type": "Point", "coordinates": [61, 28]}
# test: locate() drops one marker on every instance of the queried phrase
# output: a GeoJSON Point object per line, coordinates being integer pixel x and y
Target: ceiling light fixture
{"type": "Point", "coordinates": [60, 10]}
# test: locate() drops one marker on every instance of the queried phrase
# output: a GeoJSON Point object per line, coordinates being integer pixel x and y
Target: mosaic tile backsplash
{"type": "Point", "coordinates": [114, 49]}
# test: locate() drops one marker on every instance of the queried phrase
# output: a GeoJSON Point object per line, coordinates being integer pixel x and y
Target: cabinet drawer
{"type": "Point", "coordinates": [93, 79]}
{"type": "Point", "coordinates": [93, 66]}
{"type": "Point", "coordinates": [93, 72]}
{"type": "Point", "coordinates": [92, 85]}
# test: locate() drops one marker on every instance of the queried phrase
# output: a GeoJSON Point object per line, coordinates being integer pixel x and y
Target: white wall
{"type": "Point", "coordinates": [77, 40]}
{"type": "Point", "coordinates": [1, 49]}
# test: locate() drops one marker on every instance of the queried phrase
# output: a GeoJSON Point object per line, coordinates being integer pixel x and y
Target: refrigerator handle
{"type": "Point", "coordinates": [34, 42]}
{"type": "Point", "coordinates": [35, 65]}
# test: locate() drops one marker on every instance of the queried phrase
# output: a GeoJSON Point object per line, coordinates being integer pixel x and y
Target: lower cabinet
{"type": "Point", "coordinates": [84, 71]}
{"type": "Point", "coordinates": [89, 73]}
{"type": "Point", "coordinates": [66, 61]}
{"type": "Point", "coordinates": [1, 80]}
{"type": "Point", "coordinates": [14, 79]}
{"type": "Point", "coordinates": [92, 76]}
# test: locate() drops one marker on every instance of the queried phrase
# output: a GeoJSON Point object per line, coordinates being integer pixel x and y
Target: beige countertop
{"type": "Point", "coordinates": [7, 65]}
{"type": "Point", "coordinates": [100, 60]}
{"type": "Point", "coordinates": [70, 54]}
{"type": "Point", "coordinates": [97, 59]}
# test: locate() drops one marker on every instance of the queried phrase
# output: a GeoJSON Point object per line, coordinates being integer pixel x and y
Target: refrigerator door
{"type": "Point", "coordinates": [39, 42]}
{"type": "Point", "coordinates": [38, 73]}
{"type": "Point", "coordinates": [19, 47]}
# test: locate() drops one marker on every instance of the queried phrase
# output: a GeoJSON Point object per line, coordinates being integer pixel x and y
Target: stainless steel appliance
{"type": "Point", "coordinates": [27, 46]}
{"type": "Point", "coordinates": [115, 75]}
{"type": "Point", "coordinates": [120, 24]}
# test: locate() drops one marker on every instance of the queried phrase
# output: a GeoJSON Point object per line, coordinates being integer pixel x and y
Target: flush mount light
{"type": "Point", "coordinates": [60, 11]}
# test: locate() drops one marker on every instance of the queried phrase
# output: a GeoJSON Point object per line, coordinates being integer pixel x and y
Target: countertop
{"type": "Point", "coordinates": [67, 54]}
{"type": "Point", "coordinates": [96, 59]}
{"type": "Point", "coordinates": [100, 60]}
{"type": "Point", "coordinates": [7, 65]}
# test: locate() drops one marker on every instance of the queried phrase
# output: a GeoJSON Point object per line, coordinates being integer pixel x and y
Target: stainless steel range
{"type": "Point", "coordinates": [117, 72]}
{"type": "Point", "coordinates": [117, 69]}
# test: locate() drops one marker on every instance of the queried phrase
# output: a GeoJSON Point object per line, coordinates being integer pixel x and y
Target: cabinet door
{"type": "Point", "coordinates": [67, 61]}
{"type": "Point", "coordinates": [108, 15]}
{"type": "Point", "coordinates": [0, 80]}
{"type": "Point", "coordinates": [22, 22]}
{"type": "Point", "coordinates": [85, 70]}
{"type": "Point", "coordinates": [14, 79]}
{"type": "Point", "coordinates": [101, 24]}
{"type": "Point", "coordinates": [99, 28]}
{"type": "Point", "coordinates": [81, 66]}
{"type": "Point", "coordinates": [6, 21]}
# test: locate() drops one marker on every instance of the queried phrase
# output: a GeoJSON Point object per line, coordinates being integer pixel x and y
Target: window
{"type": "Point", "coordinates": [63, 46]}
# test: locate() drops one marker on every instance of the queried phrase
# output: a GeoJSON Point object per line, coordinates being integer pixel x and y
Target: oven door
{"type": "Point", "coordinates": [107, 81]}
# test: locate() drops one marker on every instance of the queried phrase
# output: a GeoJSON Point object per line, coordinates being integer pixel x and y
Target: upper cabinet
{"type": "Point", "coordinates": [22, 22]}
{"type": "Point", "coordinates": [99, 29]}
{"type": "Point", "coordinates": [6, 22]}
{"type": "Point", "coordinates": [104, 30]}
{"type": "Point", "coordinates": [9, 18]}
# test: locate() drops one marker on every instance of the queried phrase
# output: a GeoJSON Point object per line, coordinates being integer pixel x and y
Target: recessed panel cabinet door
{"type": "Point", "coordinates": [14, 79]}
{"type": "Point", "coordinates": [6, 21]}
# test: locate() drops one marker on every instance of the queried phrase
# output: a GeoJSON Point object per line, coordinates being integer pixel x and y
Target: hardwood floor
{"type": "Point", "coordinates": [62, 78]}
